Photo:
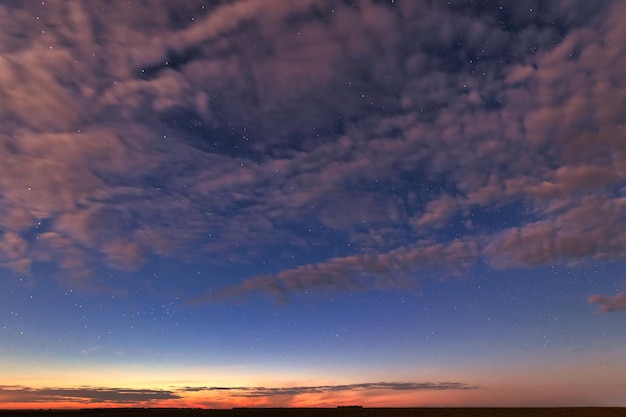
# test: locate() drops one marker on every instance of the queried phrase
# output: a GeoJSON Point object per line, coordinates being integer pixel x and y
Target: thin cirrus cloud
{"type": "Point", "coordinates": [214, 136]}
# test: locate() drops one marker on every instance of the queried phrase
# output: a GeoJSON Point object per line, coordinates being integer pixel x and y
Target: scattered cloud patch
{"type": "Point", "coordinates": [236, 130]}
{"type": "Point", "coordinates": [609, 304]}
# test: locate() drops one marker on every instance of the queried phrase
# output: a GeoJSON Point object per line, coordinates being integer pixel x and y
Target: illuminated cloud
{"type": "Point", "coordinates": [609, 304]}
{"type": "Point", "coordinates": [359, 273]}
{"type": "Point", "coordinates": [575, 231]}
{"type": "Point", "coordinates": [233, 131]}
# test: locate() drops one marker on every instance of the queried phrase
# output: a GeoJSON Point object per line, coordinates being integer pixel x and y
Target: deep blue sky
{"type": "Point", "coordinates": [275, 202]}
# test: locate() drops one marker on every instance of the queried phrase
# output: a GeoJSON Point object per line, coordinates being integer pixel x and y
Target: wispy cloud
{"type": "Point", "coordinates": [609, 303]}
{"type": "Point", "coordinates": [357, 273]}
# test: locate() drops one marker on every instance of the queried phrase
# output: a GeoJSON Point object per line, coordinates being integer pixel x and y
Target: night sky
{"type": "Point", "coordinates": [312, 203]}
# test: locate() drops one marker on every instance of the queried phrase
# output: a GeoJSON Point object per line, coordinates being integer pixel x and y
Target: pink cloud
{"type": "Point", "coordinates": [14, 252]}
{"type": "Point", "coordinates": [609, 304]}
{"type": "Point", "coordinates": [590, 228]}
{"type": "Point", "coordinates": [438, 212]}
{"type": "Point", "coordinates": [123, 255]}
{"type": "Point", "coordinates": [394, 269]}
{"type": "Point", "coordinates": [89, 146]}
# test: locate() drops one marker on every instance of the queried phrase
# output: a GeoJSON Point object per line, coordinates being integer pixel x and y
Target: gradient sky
{"type": "Point", "coordinates": [312, 203]}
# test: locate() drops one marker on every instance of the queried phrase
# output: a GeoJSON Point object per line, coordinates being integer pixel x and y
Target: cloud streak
{"type": "Point", "coordinates": [354, 273]}
{"type": "Point", "coordinates": [254, 392]}
{"type": "Point", "coordinates": [608, 304]}
{"type": "Point", "coordinates": [22, 394]}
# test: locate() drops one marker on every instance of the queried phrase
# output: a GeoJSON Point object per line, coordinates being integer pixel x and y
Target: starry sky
{"type": "Point", "coordinates": [312, 203]}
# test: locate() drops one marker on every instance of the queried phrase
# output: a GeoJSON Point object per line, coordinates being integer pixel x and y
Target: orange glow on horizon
{"type": "Point", "coordinates": [208, 399]}
{"type": "Point", "coordinates": [561, 384]}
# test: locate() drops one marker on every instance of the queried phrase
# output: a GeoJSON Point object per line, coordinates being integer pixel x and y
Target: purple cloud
{"type": "Point", "coordinates": [211, 132]}
{"type": "Point", "coordinates": [357, 273]}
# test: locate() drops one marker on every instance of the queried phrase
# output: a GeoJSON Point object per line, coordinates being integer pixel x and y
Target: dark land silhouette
{"type": "Point", "coordinates": [351, 411]}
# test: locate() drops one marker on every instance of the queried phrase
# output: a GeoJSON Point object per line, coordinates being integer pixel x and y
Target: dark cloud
{"type": "Point", "coordinates": [291, 391]}
{"type": "Point", "coordinates": [99, 395]}
{"type": "Point", "coordinates": [17, 394]}
{"type": "Point", "coordinates": [239, 129]}
{"type": "Point", "coordinates": [609, 304]}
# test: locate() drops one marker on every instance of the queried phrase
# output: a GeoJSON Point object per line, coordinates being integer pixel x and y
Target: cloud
{"type": "Point", "coordinates": [22, 394]}
{"type": "Point", "coordinates": [395, 269]}
{"type": "Point", "coordinates": [239, 130]}
{"type": "Point", "coordinates": [582, 229]}
{"type": "Point", "coordinates": [215, 396]}
{"type": "Point", "coordinates": [438, 212]}
{"type": "Point", "coordinates": [13, 251]}
{"type": "Point", "coordinates": [320, 389]}
{"type": "Point", "coordinates": [609, 304]}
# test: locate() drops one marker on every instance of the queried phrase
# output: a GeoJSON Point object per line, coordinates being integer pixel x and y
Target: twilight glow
{"type": "Point", "coordinates": [312, 203]}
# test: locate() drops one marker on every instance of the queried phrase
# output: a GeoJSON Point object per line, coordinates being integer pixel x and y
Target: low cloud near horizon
{"type": "Point", "coordinates": [22, 394]}
{"type": "Point", "coordinates": [112, 396]}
